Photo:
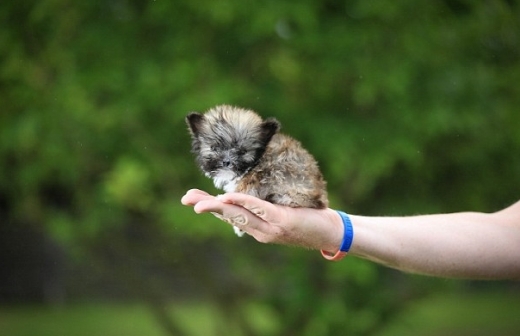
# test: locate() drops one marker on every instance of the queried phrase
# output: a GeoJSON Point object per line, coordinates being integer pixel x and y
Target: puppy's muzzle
{"type": "Point", "coordinates": [226, 163]}
{"type": "Point", "coordinates": [228, 160]}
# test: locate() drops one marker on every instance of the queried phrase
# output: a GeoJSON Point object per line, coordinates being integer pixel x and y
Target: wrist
{"type": "Point", "coordinates": [343, 240]}
{"type": "Point", "coordinates": [334, 232]}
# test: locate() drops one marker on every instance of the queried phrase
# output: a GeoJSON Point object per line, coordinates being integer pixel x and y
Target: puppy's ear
{"type": "Point", "coordinates": [269, 127]}
{"type": "Point", "coordinates": [194, 121]}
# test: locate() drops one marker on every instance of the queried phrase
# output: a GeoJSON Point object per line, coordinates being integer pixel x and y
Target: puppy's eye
{"type": "Point", "coordinates": [241, 151]}
{"type": "Point", "coordinates": [214, 148]}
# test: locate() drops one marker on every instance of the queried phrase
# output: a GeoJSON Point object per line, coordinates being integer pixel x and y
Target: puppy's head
{"type": "Point", "coordinates": [229, 139]}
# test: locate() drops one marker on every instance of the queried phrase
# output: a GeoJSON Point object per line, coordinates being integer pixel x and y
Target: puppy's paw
{"type": "Point", "coordinates": [238, 232]}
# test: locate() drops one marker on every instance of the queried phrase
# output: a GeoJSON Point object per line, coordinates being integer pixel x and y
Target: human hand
{"type": "Point", "coordinates": [272, 223]}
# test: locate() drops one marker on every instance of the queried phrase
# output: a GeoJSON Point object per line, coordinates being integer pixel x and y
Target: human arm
{"type": "Point", "coordinates": [461, 245]}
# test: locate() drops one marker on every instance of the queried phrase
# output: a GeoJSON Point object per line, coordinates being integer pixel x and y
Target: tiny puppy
{"type": "Point", "coordinates": [243, 153]}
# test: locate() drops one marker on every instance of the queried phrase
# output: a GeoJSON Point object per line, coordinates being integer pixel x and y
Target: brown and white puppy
{"type": "Point", "coordinates": [243, 153]}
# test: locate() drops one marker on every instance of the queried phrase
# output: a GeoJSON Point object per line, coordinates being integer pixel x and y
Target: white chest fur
{"type": "Point", "coordinates": [226, 180]}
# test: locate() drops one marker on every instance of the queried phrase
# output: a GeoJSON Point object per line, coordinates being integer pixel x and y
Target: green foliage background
{"type": "Point", "coordinates": [410, 107]}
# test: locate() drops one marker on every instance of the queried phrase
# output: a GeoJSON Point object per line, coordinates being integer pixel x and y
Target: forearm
{"type": "Point", "coordinates": [464, 245]}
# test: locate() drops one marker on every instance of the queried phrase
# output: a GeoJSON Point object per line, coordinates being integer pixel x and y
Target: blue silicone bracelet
{"type": "Point", "coordinates": [348, 235]}
{"type": "Point", "coordinates": [346, 243]}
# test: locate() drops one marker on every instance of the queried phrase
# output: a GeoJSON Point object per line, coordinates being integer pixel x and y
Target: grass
{"type": "Point", "coordinates": [464, 315]}
{"type": "Point", "coordinates": [112, 319]}
{"type": "Point", "coordinates": [78, 320]}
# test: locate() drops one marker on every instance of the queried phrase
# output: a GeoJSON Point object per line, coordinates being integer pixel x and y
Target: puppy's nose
{"type": "Point", "coordinates": [226, 162]}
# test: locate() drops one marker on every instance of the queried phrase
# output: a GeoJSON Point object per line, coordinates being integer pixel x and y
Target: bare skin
{"type": "Point", "coordinates": [468, 245]}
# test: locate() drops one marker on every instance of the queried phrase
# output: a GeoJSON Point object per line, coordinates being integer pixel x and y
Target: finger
{"type": "Point", "coordinates": [208, 204]}
{"type": "Point", "coordinates": [193, 196]}
{"type": "Point", "coordinates": [258, 207]}
{"type": "Point", "coordinates": [238, 220]}
{"type": "Point", "coordinates": [233, 214]}
{"type": "Point", "coordinates": [197, 192]}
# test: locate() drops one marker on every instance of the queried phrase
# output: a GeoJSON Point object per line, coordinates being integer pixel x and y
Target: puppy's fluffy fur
{"type": "Point", "coordinates": [243, 153]}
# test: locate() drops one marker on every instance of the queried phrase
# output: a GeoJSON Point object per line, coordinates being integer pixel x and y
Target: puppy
{"type": "Point", "coordinates": [243, 153]}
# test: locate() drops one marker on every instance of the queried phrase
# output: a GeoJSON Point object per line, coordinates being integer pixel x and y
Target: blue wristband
{"type": "Point", "coordinates": [346, 243]}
